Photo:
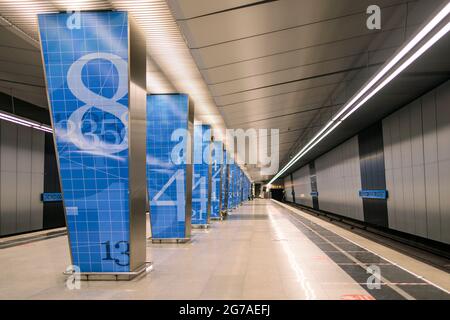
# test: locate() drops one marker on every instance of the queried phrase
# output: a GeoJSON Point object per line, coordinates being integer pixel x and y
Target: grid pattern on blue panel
{"type": "Point", "coordinates": [201, 174]}
{"type": "Point", "coordinates": [234, 186]}
{"type": "Point", "coordinates": [217, 166]}
{"type": "Point", "coordinates": [231, 186]}
{"type": "Point", "coordinates": [239, 187]}
{"type": "Point", "coordinates": [86, 68]}
{"type": "Point", "coordinates": [167, 129]}
{"type": "Point", "coordinates": [224, 182]}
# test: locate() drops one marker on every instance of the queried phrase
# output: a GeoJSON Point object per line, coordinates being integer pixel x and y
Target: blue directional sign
{"type": "Point", "coordinates": [51, 197]}
{"type": "Point", "coordinates": [86, 67]}
{"type": "Point", "coordinates": [201, 180]}
{"type": "Point", "coordinates": [373, 194]}
{"type": "Point", "coordinates": [167, 174]}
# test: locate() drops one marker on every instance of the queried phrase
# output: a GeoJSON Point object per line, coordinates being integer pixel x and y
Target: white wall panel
{"type": "Point", "coordinates": [339, 180]}
{"type": "Point", "coordinates": [417, 161]}
{"type": "Point", "coordinates": [37, 180]}
{"type": "Point", "coordinates": [23, 191]}
{"type": "Point", "coordinates": [443, 142]}
{"type": "Point", "coordinates": [8, 177]}
{"type": "Point", "coordinates": [288, 188]}
{"type": "Point", "coordinates": [302, 186]}
{"type": "Point", "coordinates": [22, 153]}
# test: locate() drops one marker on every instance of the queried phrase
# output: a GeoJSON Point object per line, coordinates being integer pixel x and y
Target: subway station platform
{"type": "Point", "coordinates": [263, 250]}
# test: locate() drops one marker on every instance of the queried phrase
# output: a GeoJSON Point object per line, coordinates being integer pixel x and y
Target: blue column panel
{"type": "Point", "coordinates": [231, 186]}
{"type": "Point", "coordinates": [224, 183]}
{"type": "Point", "coordinates": [86, 69]}
{"type": "Point", "coordinates": [217, 167]}
{"type": "Point", "coordinates": [169, 174]}
{"type": "Point", "coordinates": [201, 178]}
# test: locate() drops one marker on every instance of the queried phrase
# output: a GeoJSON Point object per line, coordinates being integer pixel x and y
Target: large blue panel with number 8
{"type": "Point", "coordinates": [86, 64]}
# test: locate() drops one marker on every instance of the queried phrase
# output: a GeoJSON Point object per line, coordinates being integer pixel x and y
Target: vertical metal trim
{"type": "Point", "coordinates": [220, 180]}
{"type": "Point", "coordinates": [137, 107]}
{"type": "Point", "coordinates": [188, 177]}
{"type": "Point", "coordinates": [209, 205]}
{"type": "Point", "coordinates": [225, 167]}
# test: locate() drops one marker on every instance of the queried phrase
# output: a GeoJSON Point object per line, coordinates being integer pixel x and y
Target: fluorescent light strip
{"type": "Point", "coordinates": [405, 64]}
{"type": "Point", "coordinates": [24, 122]}
{"type": "Point", "coordinates": [419, 36]}
{"type": "Point", "coordinates": [309, 146]}
{"type": "Point", "coordinates": [435, 21]}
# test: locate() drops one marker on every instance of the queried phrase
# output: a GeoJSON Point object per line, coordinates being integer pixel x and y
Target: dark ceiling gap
{"type": "Point", "coordinates": [303, 48]}
{"type": "Point", "coordinates": [290, 114]}
{"type": "Point", "coordinates": [21, 63]}
{"type": "Point", "coordinates": [307, 78]}
{"type": "Point", "coordinates": [253, 4]}
{"type": "Point", "coordinates": [23, 75]}
{"type": "Point", "coordinates": [22, 83]}
{"type": "Point", "coordinates": [289, 28]}
{"type": "Point", "coordinates": [356, 55]}
{"type": "Point", "coordinates": [303, 121]}
{"type": "Point", "coordinates": [283, 93]}
{"type": "Point", "coordinates": [19, 48]}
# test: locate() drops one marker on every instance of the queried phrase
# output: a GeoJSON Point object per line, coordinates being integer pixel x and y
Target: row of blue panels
{"type": "Point", "coordinates": [86, 59]}
{"type": "Point", "coordinates": [177, 196]}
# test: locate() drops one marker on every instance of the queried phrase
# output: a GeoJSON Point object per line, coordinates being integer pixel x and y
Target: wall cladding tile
{"type": "Point", "coordinates": [417, 161]}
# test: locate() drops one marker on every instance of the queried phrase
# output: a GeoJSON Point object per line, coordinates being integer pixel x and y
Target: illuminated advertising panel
{"type": "Point", "coordinates": [224, 182]}
{"type": "Point", "coordinates": [87, 73]}
{"type": "Point", "coordinates": [169, 174]}
{"type": "Point", "coordinates": [201, 177]}
{"type": "Point", "coordinates": [216, 175]}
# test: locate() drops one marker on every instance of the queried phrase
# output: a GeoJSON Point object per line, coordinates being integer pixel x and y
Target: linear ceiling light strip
{"type": "Point", "coordinates": [24, 122]}
{"type": "Point", "coordinates": [335, 122]}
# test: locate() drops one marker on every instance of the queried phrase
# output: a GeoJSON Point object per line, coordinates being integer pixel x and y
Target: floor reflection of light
{"type": "Point", "coordinates": [299, 273]}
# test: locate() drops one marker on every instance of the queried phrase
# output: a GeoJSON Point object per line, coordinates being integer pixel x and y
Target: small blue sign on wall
{"type": "Point", "coordinates": [314, 194]}
{"type": "Point", "coordinates": [51, 197]}
{"type": "Point", "coordinates": [373, 194]}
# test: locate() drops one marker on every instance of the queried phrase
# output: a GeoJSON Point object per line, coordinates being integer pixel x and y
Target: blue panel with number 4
{"type": "Point", "coordinates": [167, 130]}
{"type": "Point", "coordinates": [217, 165]}
{"type": "Point", "coordinates": [201, 178]}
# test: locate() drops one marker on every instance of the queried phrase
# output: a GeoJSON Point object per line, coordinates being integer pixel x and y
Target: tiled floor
{"type": "Point", "coordinates": [262, 251]}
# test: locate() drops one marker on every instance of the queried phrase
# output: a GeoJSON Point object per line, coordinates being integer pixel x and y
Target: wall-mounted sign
{"type": "Point", "coordinates": [51, 197]}
{"type": "Point", "coordinates": [373, 194]}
